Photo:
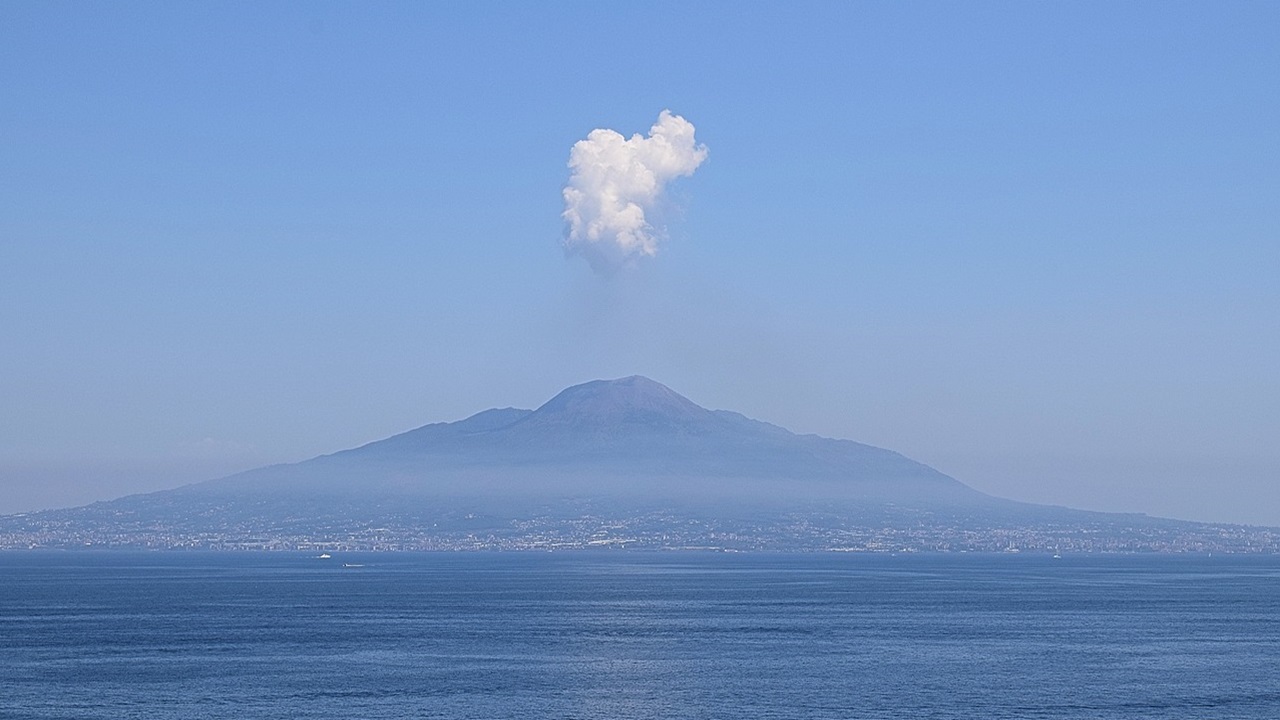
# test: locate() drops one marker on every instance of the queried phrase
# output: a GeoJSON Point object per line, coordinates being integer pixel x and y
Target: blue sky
{"type": "Point", "coordinates": [1034, 245]}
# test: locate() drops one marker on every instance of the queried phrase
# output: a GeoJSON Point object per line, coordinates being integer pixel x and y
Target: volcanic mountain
{"type": "Point", "coordinates": [627, 460]}
{"type": "Point", "coordinates": [627, 440]}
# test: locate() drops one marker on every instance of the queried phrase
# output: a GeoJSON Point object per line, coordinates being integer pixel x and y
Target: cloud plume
{"type": "Point", "coordinates": [614, 181]}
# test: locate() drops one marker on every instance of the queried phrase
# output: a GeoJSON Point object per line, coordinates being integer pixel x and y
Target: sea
{"type": "Point", "coordinates": [625, 635]}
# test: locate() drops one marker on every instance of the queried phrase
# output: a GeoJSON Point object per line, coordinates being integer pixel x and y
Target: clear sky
{"type": "Point", "coordinates": [1035, 245]}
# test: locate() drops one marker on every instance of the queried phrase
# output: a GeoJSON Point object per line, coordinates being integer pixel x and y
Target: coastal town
{"type": "Point", "coordinates": [652, 531]}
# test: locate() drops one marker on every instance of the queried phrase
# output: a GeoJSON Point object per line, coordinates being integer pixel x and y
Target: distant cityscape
{"type": "Point", "coordinates": [652, 531]}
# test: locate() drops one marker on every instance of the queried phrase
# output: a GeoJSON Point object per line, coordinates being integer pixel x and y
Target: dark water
{"type": "Point", "coordinates": [623, 636]}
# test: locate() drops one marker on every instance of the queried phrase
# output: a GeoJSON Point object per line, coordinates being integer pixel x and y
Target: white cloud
{"type": "Point", "coordinates": [615, 180]}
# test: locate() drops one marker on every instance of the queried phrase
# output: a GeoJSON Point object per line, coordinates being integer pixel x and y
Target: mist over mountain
{"type": "Point", "coordinates": [625, 461]}
{"type": "Point", "coordinates": [631, 438]}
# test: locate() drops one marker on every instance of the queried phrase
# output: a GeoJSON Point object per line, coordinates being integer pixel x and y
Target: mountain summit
{"type": "Point", "coordinates": [629, 401]}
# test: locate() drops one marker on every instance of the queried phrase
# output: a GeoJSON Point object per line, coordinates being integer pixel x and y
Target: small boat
{"type": "Point", "coordinates": [351, 565]}
{"type": "Point", "coordinates": [324, 556]}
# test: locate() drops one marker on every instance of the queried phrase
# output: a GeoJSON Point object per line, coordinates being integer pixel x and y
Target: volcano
{"type": "Point", "coordinates": [630, 439]}
{"type": "Point", "coordinates": [628, 461]}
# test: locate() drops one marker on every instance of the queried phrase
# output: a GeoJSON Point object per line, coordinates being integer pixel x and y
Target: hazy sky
{"type": "Point", "coordinates": [1034, 245]}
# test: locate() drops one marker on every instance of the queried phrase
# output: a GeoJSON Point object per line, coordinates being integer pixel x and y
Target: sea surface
{"type": "Point", "coordinates": [629, 636]}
